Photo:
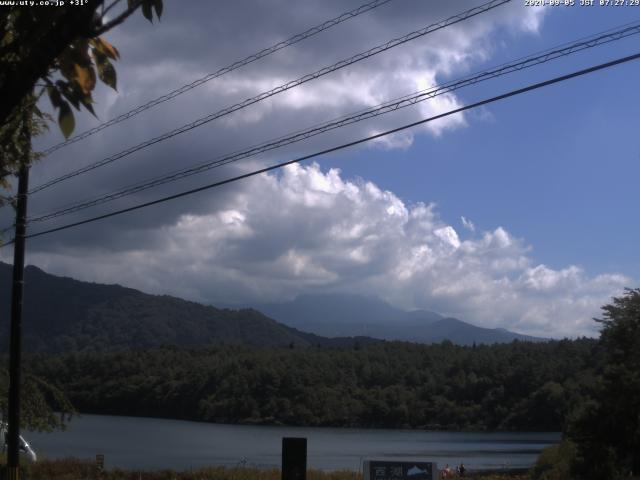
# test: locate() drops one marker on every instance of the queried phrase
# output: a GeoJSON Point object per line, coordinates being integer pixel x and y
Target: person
{"type": "Point", "coordinates": [446, 472]}
{"type": "Point", "coordinates": [461, 469]}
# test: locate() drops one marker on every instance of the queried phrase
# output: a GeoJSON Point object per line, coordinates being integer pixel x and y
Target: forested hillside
{"type": "Point", "coordinates": [529, 386]}
{"type": "Point", "coordinates": [66, 315]}
{"type": "Point", "coordinates": [63, 315]}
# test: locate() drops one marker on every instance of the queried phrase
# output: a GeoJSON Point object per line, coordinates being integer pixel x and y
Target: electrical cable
{"type": "Point", "coordinates": [511, 93]}
{"type": "Point", "coordinates": [387, 107]}
{"type": "Point", "coordinates": [282, 88]}
{"type": "Point", "coordinates": [222, 71]}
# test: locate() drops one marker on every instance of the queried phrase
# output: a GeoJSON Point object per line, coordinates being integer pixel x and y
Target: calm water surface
{"type": "Point", "coordinates": [150, 444]}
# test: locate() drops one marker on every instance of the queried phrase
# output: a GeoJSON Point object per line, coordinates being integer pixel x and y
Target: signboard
{"type": "Point", "coordinates": [294, 458]}
{"type": "Point", "coordinates": [400, 470]}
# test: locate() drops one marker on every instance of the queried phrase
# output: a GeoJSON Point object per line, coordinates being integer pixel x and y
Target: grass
{"type": "Point", "coordinates": [75, 469]}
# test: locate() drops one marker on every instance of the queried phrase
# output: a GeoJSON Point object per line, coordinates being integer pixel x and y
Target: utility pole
{"type": "Point", "coordinates": [15, 347]}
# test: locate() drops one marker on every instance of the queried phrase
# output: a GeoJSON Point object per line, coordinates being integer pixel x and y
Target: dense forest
{"type": "Point", "coordinates": [529, 386]}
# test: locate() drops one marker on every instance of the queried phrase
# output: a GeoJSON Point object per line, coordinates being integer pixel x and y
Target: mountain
{"type": "Point", "coordinates": [351, 315]}
{"type": "Point", "coordinates": [334, 314]}
{"type": "Point", "coordinates": [66, 315]}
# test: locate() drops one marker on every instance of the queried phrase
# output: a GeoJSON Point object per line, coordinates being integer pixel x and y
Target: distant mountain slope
{"type": "Point", "coordinates": [335, 314]}
{"type": "Point", "coordinates": [350, 315]}
{"type": "Point", "coordinates": [64, 315]}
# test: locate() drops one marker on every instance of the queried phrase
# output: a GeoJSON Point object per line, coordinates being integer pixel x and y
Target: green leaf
{"type": "Point", "coordinates": [146, 11]}
{"type": "Point", "coordinates": [66, 63]}
{"type": "Point", "coordinates": [107, 73]}
{"type": "Point", "coordinates": [157, 5]}
{"type": "Point", "coordinates": [80, 52]}
{"type": "Point", "coordinates": [85, 78]}
{"type": "Point", "coordinates": [54, 96]}
{"type": "Point", "coordinates": [87, 102]}
{"type": "Point", "coordinates": [99, 56]}
{"type": "Point", "coordinates": [66, 120]}
{"type": "Point", "coordinates": [7, 38]}
{"type": "Point", "coordinates": [104, 47]}
{"type": "Point", "coordinates": [72, 94]}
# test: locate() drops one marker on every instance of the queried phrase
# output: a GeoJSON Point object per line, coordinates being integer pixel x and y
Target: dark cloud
{"type": "Point", "coordinates": [305, 230]}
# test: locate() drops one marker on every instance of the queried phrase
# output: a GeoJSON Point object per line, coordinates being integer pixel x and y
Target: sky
{"type": "Point", "coordinates": [520, 214]}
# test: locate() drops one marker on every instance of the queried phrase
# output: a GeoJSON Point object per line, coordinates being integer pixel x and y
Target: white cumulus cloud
{"type": "Point", "coordinates": [468, 224]}
{"type": "Point", "coordinates": [307, 230]}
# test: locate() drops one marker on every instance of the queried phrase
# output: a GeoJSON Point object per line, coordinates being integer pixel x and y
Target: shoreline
{"type": "Point", "coordinates": [407, 428]}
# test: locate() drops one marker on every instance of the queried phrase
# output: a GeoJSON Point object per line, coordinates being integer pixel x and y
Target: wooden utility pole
{"type": "Point", "coordinates": [15, 347]}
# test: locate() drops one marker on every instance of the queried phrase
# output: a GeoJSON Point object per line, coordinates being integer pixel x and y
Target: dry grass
{"type": "Point", "coordinates": [75, 469]}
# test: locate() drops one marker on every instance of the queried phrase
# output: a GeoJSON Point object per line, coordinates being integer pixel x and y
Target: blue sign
{"type": "Point", "coordinates": [399, 470]}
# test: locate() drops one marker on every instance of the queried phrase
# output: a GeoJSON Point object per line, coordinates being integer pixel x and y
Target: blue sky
{"type": "Point", "coordinates": [546, 180]}
{"type": "Point", "coordinates": [558, 167]}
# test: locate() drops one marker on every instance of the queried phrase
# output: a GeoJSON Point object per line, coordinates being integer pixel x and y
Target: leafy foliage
{"type": "Point", "coordinates": [44, 407]}
{"type": "Point", "coordinates": [60, 51]}
{"type": "Point", "coordinates": [606, 430]}
{"type": "Point", "coordinates": [78, 65]}
{"type": "Point", "coordinates": [27, 122]}
{"type": "Point", "coordinates": [554, 463]}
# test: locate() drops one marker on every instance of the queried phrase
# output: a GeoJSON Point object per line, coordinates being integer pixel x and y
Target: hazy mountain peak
{"type": "Point", "coordinates": [351, 315]}
{"type": "Point", "coordinates": [63, 314]}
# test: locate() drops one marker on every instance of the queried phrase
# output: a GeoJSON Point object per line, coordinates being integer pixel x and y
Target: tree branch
{"type": "Point", "coordinates": [118, 20]}
{"type": "Point", "coordinates": [113, 4]}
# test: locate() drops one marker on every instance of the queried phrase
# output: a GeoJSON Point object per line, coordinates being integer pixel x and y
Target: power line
{"type": "Point", "coordinates": [282, 88]}
{"type": "Point", "coordinates": [384, 108]}
{"type": "Point", "coordinates": [512, 93]}
{"type": "Point", "coordinates": [7, 229]}
{"type": "Point", "coordinates": [224, 70]}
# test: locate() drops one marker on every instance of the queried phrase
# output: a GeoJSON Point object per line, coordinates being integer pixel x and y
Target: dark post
{"type": "Point", "coordinates": [13, 451]}
{"type": "Point", "coordinates": [294, 458]}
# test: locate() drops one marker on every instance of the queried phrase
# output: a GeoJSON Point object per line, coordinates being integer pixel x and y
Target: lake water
{"type": "Point", "coordinates": [150, 444]}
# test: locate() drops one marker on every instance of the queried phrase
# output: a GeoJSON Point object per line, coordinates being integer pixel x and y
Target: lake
{"type": "Point", "coordinates": [151, 444]}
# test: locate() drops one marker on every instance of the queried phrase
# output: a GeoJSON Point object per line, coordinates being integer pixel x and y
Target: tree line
{"type": "Point", "coordinates": [517, 386]}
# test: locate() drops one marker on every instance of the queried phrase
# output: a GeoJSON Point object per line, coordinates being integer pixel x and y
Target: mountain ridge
{"type": "Point", "coordinates": [62, 314]}
{"type": "Point", "coordinates": [349, 315]}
